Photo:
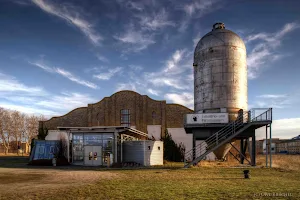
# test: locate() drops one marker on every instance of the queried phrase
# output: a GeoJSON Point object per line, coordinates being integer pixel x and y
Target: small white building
{"type": "Point", "coordinates": [144, 152]}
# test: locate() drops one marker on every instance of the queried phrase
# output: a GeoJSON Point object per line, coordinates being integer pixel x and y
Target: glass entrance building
{"type": "Point", "coordinates": [97, 146]}
{"type": "Point", "coordinates": [82, 142]}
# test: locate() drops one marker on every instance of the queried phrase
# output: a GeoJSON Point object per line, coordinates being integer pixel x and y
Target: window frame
{"type": "Point", "coordinates": [125, 113]}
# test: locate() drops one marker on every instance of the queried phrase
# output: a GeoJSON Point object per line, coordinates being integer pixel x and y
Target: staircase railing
{"type": "Point", "coordinates": [230, 129]}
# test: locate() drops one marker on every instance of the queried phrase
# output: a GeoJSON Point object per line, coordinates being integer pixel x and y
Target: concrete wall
{"type": "Point", "coordinates": [211, 156]}
{"type": "Point", "coordinates": [155, 131]}
{"type": "Point", "coordinates": [179, 135]}
{"type": "Point", "coordinates": [154, 156]}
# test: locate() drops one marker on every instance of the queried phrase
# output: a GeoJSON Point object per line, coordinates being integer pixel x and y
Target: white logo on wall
{"type": "Point", "coordinates": [207, 118]}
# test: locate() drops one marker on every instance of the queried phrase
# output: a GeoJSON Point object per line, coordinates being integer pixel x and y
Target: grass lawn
{"type": "Point", "coordinates": [173, 183]}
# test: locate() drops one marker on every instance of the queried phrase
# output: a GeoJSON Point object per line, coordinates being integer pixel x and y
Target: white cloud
{"type": "Point", "coordinates": [102, 58]}
{"type": "Point", "coordinates": [65, 74]}
{"type": "Point", "coordinates": [135, 5]}
{"type": "Point", "coordinates": [185, 98]}
{"type": "Point", "coordinates": [196, 9]}
{"type": "Point", "coordinates": [126, 86]}
{"type": "Point", "coordinates": [155, 21]}
{"type": "Point", "coordinates": [273, 101]}
{"type": "Point", "coordinates": [28, 109]}
{"type": "Point", "coordinates": [198, 6]}
{"type": "Point", "coordinates": [35, 100]}
{"type": "Point", "coordinates": [11, 84]}
{"type": "Point", "coordinates": [68, 100]}
{"type": "Point", "coordinates": [136, 67]}
{"type": "Point", "coordinates": [172, 63]}
{"type": "Point", "coordinates": [154, 92]}
{"type": "Point", "coordinates": [74, 78]}
{"type": "Point", "coordinates": [72, 16]}
{"type": "Point", "coordinates": [136, 40]}
{"type": "Point", "coordinates": [263, 51]}
{"type": "Point", "coordinates": [274, 96]}
{"type": "Point", "coordinates": [108, 75]}
{"type": "Point", "coordinates": [282, 128]}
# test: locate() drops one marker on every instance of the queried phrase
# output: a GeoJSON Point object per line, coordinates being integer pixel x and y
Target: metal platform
{"type": "Point", "coordinates": [242, 129]}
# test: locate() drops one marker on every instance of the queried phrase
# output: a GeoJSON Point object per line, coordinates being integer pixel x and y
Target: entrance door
{"type": "Point", "coordinates": [92, 155]}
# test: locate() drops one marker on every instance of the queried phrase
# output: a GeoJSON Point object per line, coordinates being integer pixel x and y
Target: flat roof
{"type": "Point", "coordinates": [120, 129]}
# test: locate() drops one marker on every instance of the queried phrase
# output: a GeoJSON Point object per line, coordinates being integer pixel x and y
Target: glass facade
{"type": "Point", "coordinates": [104, 140]}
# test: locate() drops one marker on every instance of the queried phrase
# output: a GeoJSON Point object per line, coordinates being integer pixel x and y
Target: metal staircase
{"type": "Point", "coordinates": [224, 135]}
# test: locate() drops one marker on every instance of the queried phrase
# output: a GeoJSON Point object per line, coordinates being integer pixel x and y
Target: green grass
{"type": "Point", "coordinates": [170, 183]}
{"type": "Point", "coordinates": [196, 183]}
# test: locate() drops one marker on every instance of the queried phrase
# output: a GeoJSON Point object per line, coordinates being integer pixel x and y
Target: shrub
{"type": "Point", "coordinates": [172, 151]}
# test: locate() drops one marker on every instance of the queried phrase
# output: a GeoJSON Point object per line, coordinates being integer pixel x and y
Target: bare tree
{"type": "Point", "coordinates": [16, 127]}
{"type": "Point", "coordinates": [5, 129]}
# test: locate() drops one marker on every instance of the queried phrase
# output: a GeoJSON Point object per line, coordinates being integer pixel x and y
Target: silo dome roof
{"type": "Point", "coordinates": [219, 36]}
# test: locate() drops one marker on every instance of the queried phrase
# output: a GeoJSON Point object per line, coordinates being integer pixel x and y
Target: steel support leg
{"type": "Point", "coordinates": [266, 151]}
{"type": "Point", "coordinates": [270, 145]}
{"type": "Point", "coordinates": [253, 157]}
{"type": "Point", "coordinates": [242, 151]}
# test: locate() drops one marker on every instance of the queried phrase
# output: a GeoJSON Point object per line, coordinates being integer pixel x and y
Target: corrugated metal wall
{"type": "Point", "coordinates": [133, 151]}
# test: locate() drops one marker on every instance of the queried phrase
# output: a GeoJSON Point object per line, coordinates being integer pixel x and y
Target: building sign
{"type": "Point", "coordinates": [207, 118]}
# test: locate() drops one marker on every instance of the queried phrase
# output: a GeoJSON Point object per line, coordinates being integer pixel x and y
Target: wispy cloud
{"type": "Point", "coordinates": [135, 5]}
{"type": "Point", "coordinates": [264, 49]}
{"type": "Point", "coordinates": [16, 95]}
{"type": "Point", "coordinates": [126, 86]}
{"type": "Point", "coordinates": [68, 100]}
{"type": "Point", "coordinates": [136, 67]}
{"type": "Point", "coordinates": [155, 21]}
{"type": "Point", "coordinates": [196, 9]}
{"type": "Point", "coordinates": [282, 128]}
{"type": "Point", "coordinates": [108, 75]}
{"type": "Point", "coordinates": [186, 99]}
{"type": "Point", "coordinates": [136, 41]}
{"type": "Point", "coordinates": [272, 96]}
{"type": "Point", "coordinates": [172, 63]}
{"type": "Point", "coordinates": [71, 15]}
{"type": "Point", "coordinates": [272, 100]}
{"type": "Point", "coordinates": [154, 92]}
{"type": "Point", "coordinates": [65, 74]}
{"type": "Point", "coordinates": [102, 58]}
{"type": "Point", "coordinates": [21, 2]}
{"type": "Point", "coordinates": [11, 84]}
{"type": "Point", "coordinates": [176, 74]}
{"type": "Point", "coordinates": [74, 78]}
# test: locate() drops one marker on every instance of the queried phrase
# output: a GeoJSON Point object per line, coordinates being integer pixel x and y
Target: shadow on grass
{"type": "Point", "coordinates": [22, 163]}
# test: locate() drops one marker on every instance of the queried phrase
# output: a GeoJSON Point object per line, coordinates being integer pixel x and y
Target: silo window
{"type": "Point", "coordinates": [158, 148]}
{"type": "Point", "coordinates": [211, 50]}
{"type": "Point", "coordinates": [149, 148]}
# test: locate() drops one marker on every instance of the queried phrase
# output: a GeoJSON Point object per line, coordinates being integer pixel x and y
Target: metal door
{"type": "Point", "coordinates": [92, 155]}
{"type": "Point", "coordinates": [88, 155]}
{"type": "Point", "coordinates": [97, 157]}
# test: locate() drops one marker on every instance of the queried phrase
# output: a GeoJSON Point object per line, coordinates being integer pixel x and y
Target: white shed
{"type": "Point", "coordinates": [144, 152]}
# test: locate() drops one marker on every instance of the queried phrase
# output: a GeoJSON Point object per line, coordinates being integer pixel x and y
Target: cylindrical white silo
{"type": "Point", "coordinates": [220, 72]}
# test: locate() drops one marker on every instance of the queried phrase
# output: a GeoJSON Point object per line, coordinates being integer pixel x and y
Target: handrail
{"type": "Point", "coordinates": [227, 131]}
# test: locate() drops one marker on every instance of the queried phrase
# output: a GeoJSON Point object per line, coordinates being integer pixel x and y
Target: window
{"type": "Point", "coordinates": [158, 148]}
{"type": "Point", "coordinates": [153, 115]}
{"type": "Point", "coordinates": [149, 148]}
{"type": "Point", "coordinates": [125, 118]}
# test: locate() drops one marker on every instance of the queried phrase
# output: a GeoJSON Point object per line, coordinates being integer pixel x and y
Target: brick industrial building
{"type": "Point", "coordinates": [131, 109]}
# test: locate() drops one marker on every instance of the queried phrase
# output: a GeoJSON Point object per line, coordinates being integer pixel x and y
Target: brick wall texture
{"type": "Point", "coordinates": [107, 112]}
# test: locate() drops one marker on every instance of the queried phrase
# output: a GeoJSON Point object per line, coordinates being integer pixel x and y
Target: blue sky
{"type": "Point", "coordinates": [58, 55]}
